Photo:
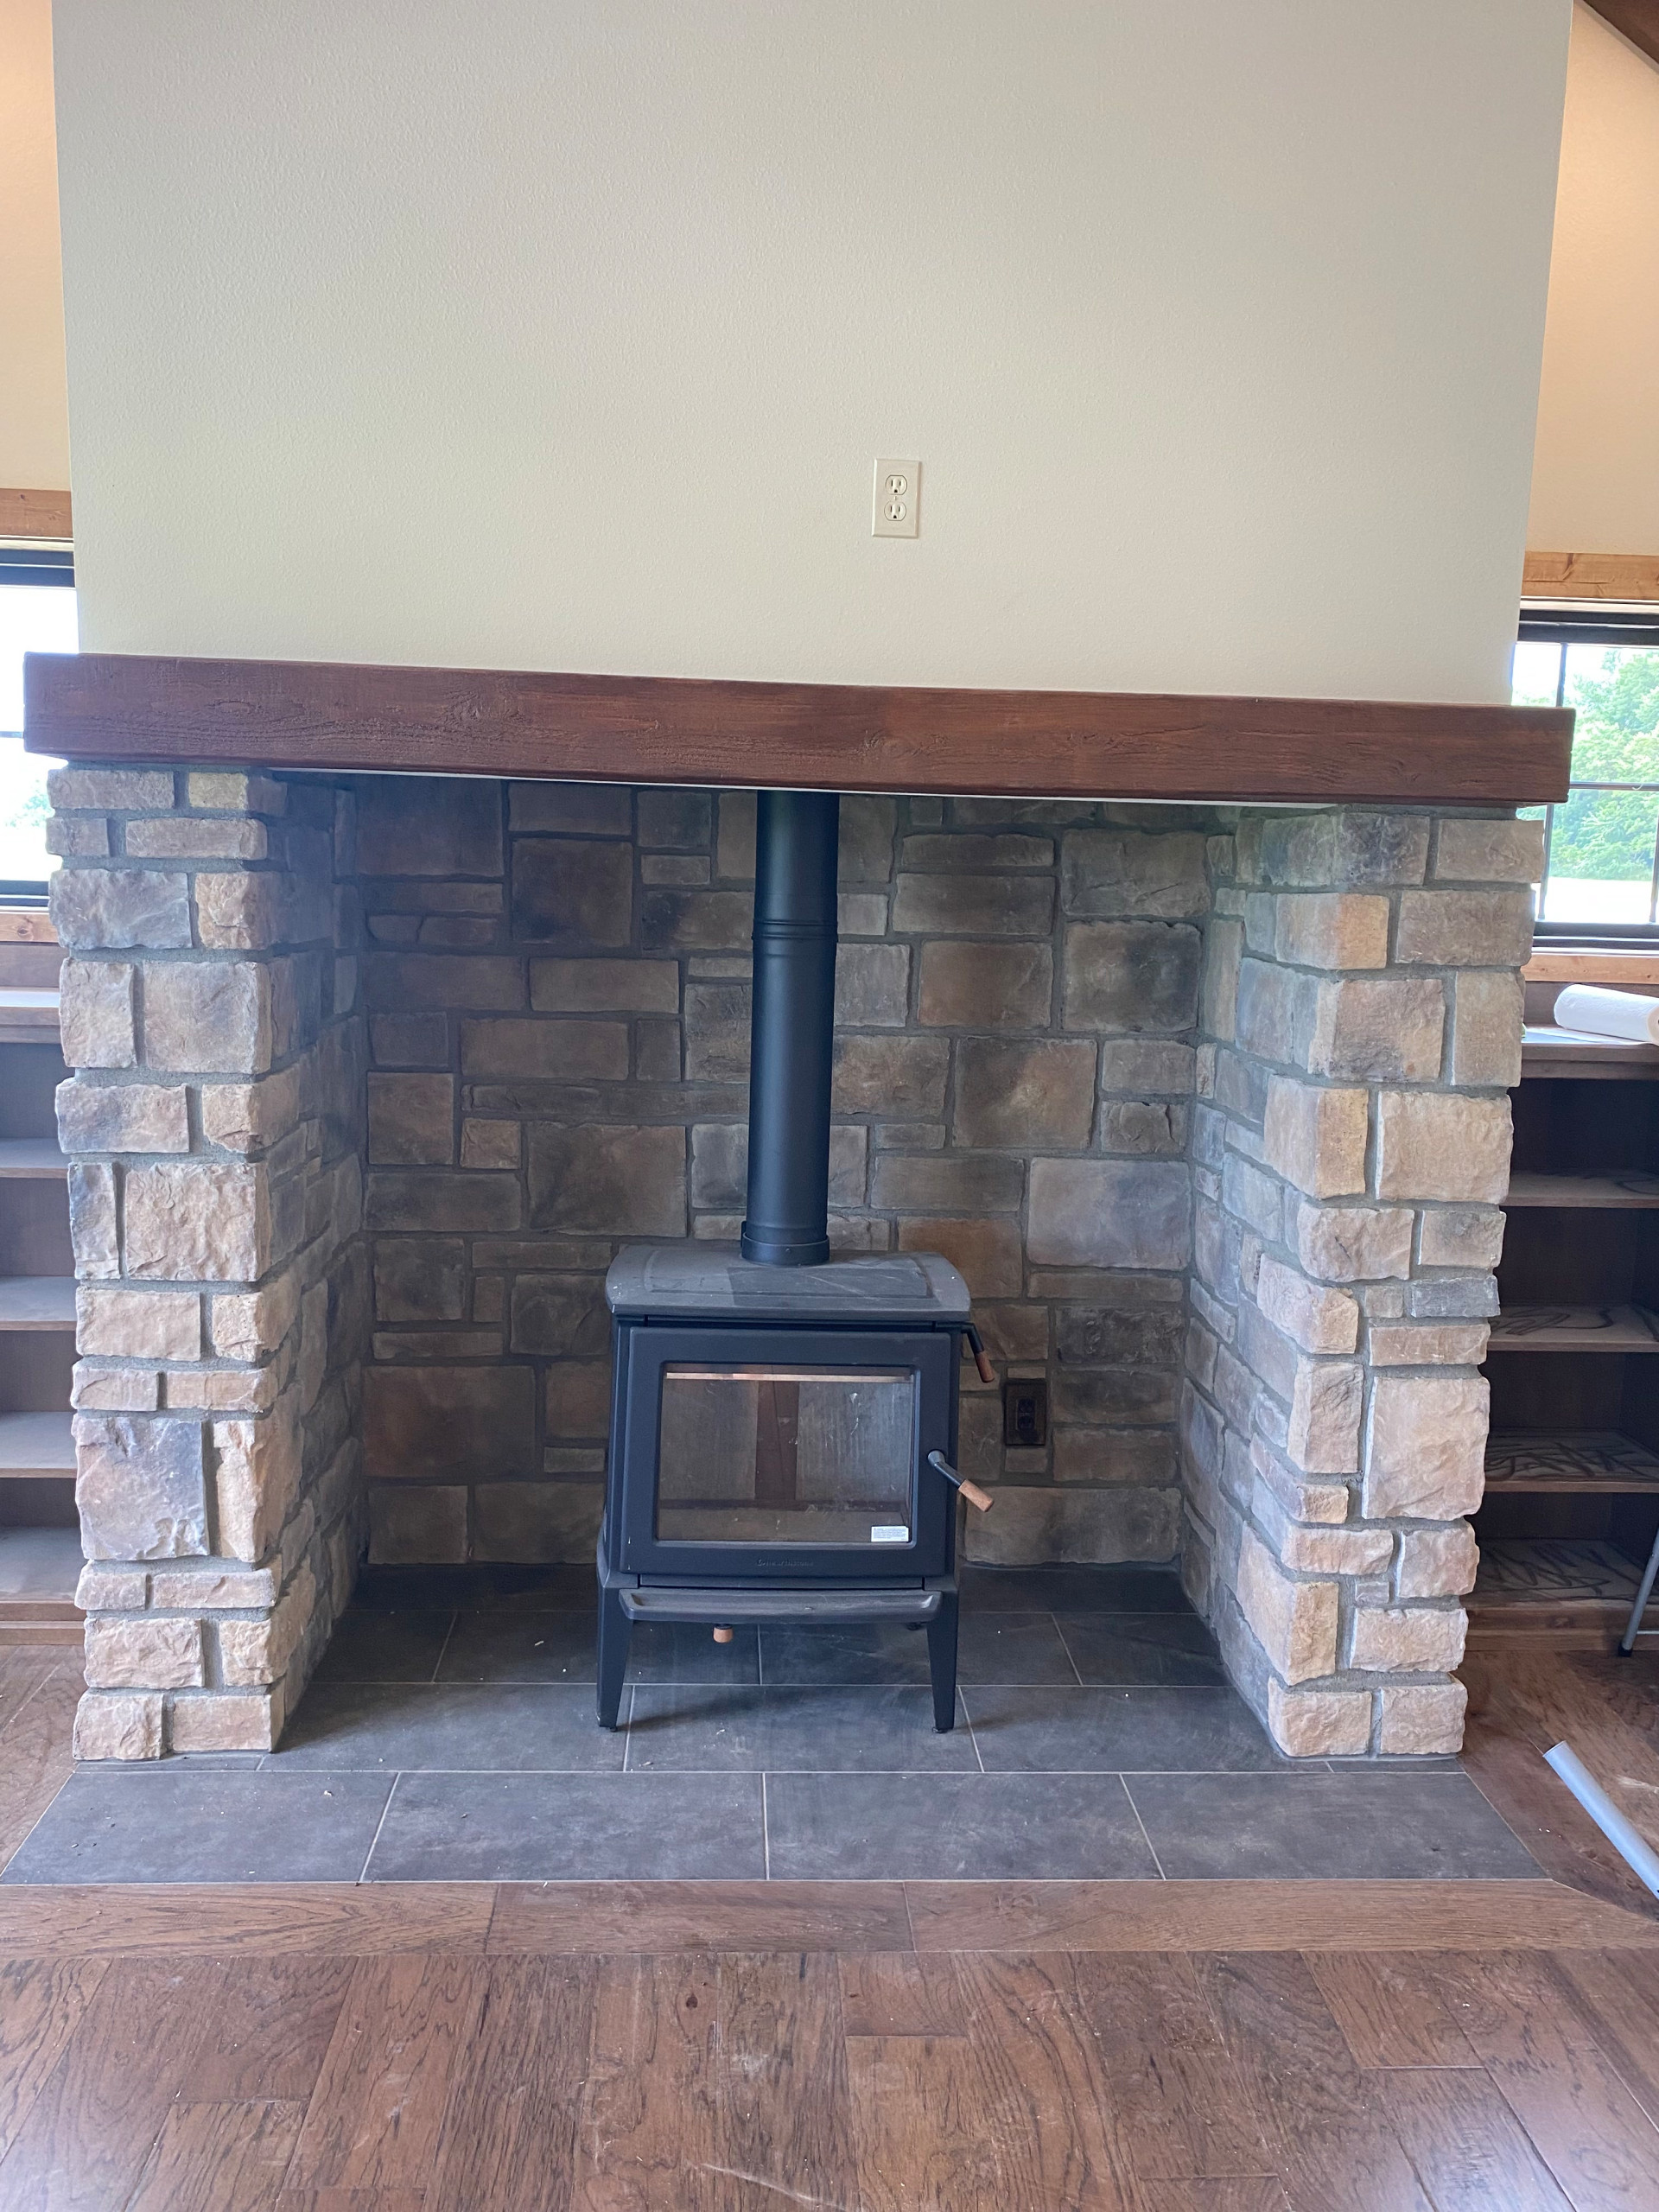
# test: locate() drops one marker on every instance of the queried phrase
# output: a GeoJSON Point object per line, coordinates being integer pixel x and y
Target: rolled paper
{"type": "Point", "coordinates": [1608, 1014]}
{"type": "Point", "coordinates": [1631, 1847]}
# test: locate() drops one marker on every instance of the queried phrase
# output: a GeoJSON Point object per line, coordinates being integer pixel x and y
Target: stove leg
{"type": "Point", "coordinates": [613, 1635]}
{"type": "Point", "coordinates": [942, 1663]}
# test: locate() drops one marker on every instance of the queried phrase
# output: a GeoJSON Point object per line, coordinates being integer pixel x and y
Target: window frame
{"type": "Point", "coordinates": [51, 566]}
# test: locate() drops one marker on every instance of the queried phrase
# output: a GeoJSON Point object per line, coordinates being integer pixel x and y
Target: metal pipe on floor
{"type": "Point", "coordinates": [1632, 1847]}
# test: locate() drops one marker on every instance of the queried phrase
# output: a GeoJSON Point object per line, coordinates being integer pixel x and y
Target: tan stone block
{"type": "Point", "coordinates": [1487, 1026]}
{"type": "Point", "coordinates": [231, 791]}
{"type": "Point", "coordinates": [1321, 1549]}
{"type": "Point", "coordinates": [970, 986]}
{"type": "Point", "coordinates": [1387, 1028]}
{"type": "Point", "coordinates": [1426, 1454]}
{"type": "Point", "coordinates": [112, 909]}
{"type": "Point", "coordinates": [257, 1479]}
{"type": "Point", "coordinates": [255, 1652]}
{"type": "Point", "coordinates": [1435, 1343]}
{"type": "Point", "coordinates": [411, 1120]}
{"type": "Point", "coordinates": [604, 986]}
{"type": "Point", "coordinates": [489, 1144]}
{"type": "Point", "coordinates": [179, 837]}
{"type": "Point", "coordinates": [1354, 1243]}
{"type": "Point", "coordinates": [895, 1075]}
{"type": "Point", "coordinates": [123, 1116]}
{"type": "Point", "coordinates": [1463, 929]}
{"type": "Point", "coordinates": [1315, 1137]}
{"type": "Point", "coordinates": [120, 791]}
{"type": "Point", "coordinates": [1109, 1213]}
{"type": "Point", "coordinates": [1327, 1401]}
{"type": "Point", "coordinates": [95, 1013]}
{"type": "Point", "coordinates": [118, 1726]}
{"type": "Point", "coordinates": [1439, 1144]}
{"type": "Point", "coordinates": [212, 1585]}
{"type": "Point", "coordinates": [123, 1323]}
{"type": "Point", "coordinates": [252, 1324]}
{"type": "Point", "coordinates": [1438, 1562]}
{"type": "Point", "coordinates": [1298, 1497]}
{"type": "Point", "coordinates": [1295, 1622]}
{"type": "Point", "coordinates": [92, 1230]}
{"type": "Point", "coordinates": [225, 1722]}
{"type": "Point", "coordinates": [249, 1117]}
{"type": "Point", "coordinates": [197, 1222]}
{"type": "Point", "coordinates": [1318, 1319]}
{"type": "Point", "coordinates": [103, 1588]}
{"type": "Point", "coordinates": [988, 1253]}
{"type": "Point", "coordinates": [1218, 1003]}
{"type": "Point", "coordinates": [1319, 1724]}
{"type": "Point", "coordinates": [1408, 1639]}
{"type": "Point", "coordinates": [114, 1389]}
{"type": "Point", "coordinates": [1330, 929]}
{"type": "Point", "coordinates": [1030, 1095]}
{"type": "Point", "coordinates": [151, 1653]}
{"type": "Point", "coordinates": [207, 1016]}
{"type": "Point", "coordinates": [1462, 1236]}
{"type": "Point", "coordinates": [78, 836]}
{"type": "Point", "coordinates": [1425, 1717]}
{"type": "Point", "coordinates": [1489, 852]}
{"type": "Point", "coordinates": [240, 912]}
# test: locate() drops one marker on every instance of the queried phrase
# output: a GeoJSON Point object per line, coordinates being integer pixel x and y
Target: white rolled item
{"type": "Point", "coordinates": [1638, 1854]}
{"type": "Point", "coordinates": [1608, 1014]}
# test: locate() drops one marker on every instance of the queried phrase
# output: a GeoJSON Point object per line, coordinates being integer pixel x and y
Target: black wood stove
{"type": "Point", "coordinates": [783, 1425]}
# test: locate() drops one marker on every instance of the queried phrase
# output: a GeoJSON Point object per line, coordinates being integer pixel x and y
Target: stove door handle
{"type": "Point", "coordinates": [971, 1491]}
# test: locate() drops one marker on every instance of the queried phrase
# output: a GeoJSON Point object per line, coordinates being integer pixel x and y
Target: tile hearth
{"type": "Point", "coordinates": [450, 1735]}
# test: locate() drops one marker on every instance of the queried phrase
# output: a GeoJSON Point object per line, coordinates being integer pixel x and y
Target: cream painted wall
{"type": "Point", "coordinates": [33, 410]}
{"type": "Point", "coordinates": [1595, 482]}
{"type": "Point", "coordinates": [566, 335]}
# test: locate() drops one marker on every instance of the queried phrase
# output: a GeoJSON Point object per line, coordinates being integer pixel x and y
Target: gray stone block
{"type": "Point", "coordinates": [582, 810]}
{"type": "Point", "coordinates": [959, 850]}
{"type": "Point", "coordinates": [419, 981]}
{"type": "Point", "coordinates": [411, 1120]}
{"type": "Point", "coordinates": [696, 921]}
{"type": "Point", "coordinates": [564, 1315]}
{"type": "Point", "coordinates": [868, 825]}
{"type": "Point", "coordinates": [974, 905]}
{"type": "Point", "coordinates": [141, 1488]}
{"type": "Point", "coordinates": [115, 908]}
{"type": "Point", "coordinates": [1109, 873]}
{"type": "Point", "coordinates": [1025, 1097]}
{"type": "Point", "coordinates": [893, 1075]}
{"type": "Point", "coordinates": [948, 1182]}
{"type": "Point", "coordinates": [1102, 1397]}
{"type": "Point", "coordinates": [676, 821]}
{"type": "Point", "coordinates": [1108, 1213]}
{"type": "Point", "coordinates": [872, 986]}
{"type": "Point", "coordinates": [1131, 976]}
{"type": "Point", "coordinates": [572, 1051]}
{"type": "Point", "coordinates": [717, 1026]}
{"type": "Point", "coordinates": [123, 1116]}
{"type": "Point", "coordinates": [1344, 847]}
{"type": "Point", "coordinates": [413, 1199]}
{"type": "Point", "coordinates": [625, 1181]}
{"type": "Point", "coordinates": [572, 891]}
{"type": "Point", "coordinates": [409, 825]}
{"type": "Point", "coordinates": [1043, 1527]}
{"type": "Point", "coordinates": [965, 985]}
{"type": "Point", "coordinates": [1113, 1335]}
{"type": "Point", "coordinates": [420, 1279]}
{"type": "Point", "coordinates": [457, 1424]}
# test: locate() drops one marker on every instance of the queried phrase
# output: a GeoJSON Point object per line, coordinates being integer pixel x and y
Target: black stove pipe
{"type": "Point", "coordinates": [793, 1038]}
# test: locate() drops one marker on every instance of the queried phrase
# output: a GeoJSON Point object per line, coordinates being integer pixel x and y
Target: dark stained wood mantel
{"type": "Point", "coordinates": [119, 707]}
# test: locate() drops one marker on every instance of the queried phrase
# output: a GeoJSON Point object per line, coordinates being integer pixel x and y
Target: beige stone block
{"type": "Point", "coordinates": [1318, 1318]}
{"type": "Point", "coordinates": [1487, 1026]}
{"type": "Point", "coordinates": [1489, 852]}
{"type": "Point", "coordinates": [179, 837]}
{"type": "Point", "coordinates": [221, 1389]}
{"type": "Point", "coordinates": [92, 1230]}
{"type": "Point", "coordinates": [1434, 1343]}
{"type": "Point", "coordinates": [225, 1722]}
{"type": "Point", "coordinates": [252, 1324]}
{"type": "Point", "coordinates": [249, 1117]}
{"type": "Point", "coordinates": [212, 1585]}
{"type": "Point", "coordinates": [1218, 1003]}
{"type": "Point", "coordinates": [207, 1016]}
{"type": "Point", "coordinates": [1319, 1724]}
{"type": "Point", "coordinates": [991, 986]}
{"type": "Point", "coordinates": [894, 1076]}
{"type": "Point", "coordinates": [1354, 1243]}
{"type": "Point", "coordinates": [1384, 1028]}
{"type": "Point", "coordinates": [257, 1480]}
{"type": "Point", "coordinates": [1027, 1095]}
{"type": "Point", "coordinates": [1462, 1236]}
{"type": "Point", "coordinates": [114, 1389]}
{"type": "Point", "coordinates": [604, 986]}
{"type": "Point", "coordinates": [103, 1588]}
{"type": "Point", "coordinates": [988, 1254]}
{"type": "Point", "coordinates": [1299, 1498]}
{"type": "Point", "coordinates": [1408, 1639]}
{"type": "Point", "coordinates": [1315, 1137]}
{"type": "Point", "coordinates": [1325, 1550]}
{"type": "Point", "coordinates": [489, 1144]}
{"type": "Point", "coordinates": [240, 912]}
{"type": "Point", "coordinates": [1438, 1562]}
{"type": "Point", "coordinates": [120, 791]}
{"type": "Point", "coordinates": [112, 909]}
{"type": "Point", "coordinates": [217, 790]}
{"type": "Point", "coordinates": [197, 1222]}
{"type": "Point", "coordinates": [1294, 1622]}
{"type": "Point", "coordinates": [1425, 1456]}
{"type": "Point", "coordinates": [151, 1653]}
{"type": "Point", "coordinates": [1463, 929]}
{"type": "Point", "coordinates": [124, 1323]}
{"type": "Point", "coordinates": [115, 1725]}
{"type": "Point", "coordinates": [1439, 1144]}
{"type": "Point", "coordinates": [1331, 929]}
{"type": "Point", "coordinates": [251, 1653]}
{"type": "Point", "coordinates": [1327, 1401]}
{"type": "Point", "coordinates": [1425, 1718]}
{"type": "Point", "coordinates": [123, 1116]}
{"type": "Point", "coordinates": [78, 836]}
{"type": "Point", "coordinates": [95, 1013]}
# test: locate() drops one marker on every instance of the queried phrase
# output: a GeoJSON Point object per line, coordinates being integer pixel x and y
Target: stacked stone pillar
{"type": "Point", "coordinates": [213, 1126]}
{"type": "Point", "coordinates": [1363, 1017]}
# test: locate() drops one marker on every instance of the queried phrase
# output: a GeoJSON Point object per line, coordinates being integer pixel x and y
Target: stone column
{"type": "Point", "coordinates": [1363, 1017]}
{"type": "Point", "coordinates": [214, 1125]}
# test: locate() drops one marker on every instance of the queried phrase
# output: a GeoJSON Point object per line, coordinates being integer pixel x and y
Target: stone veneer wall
{"type": "Point", "coordinates": [215, 1186]}
{"type": "Point", "coordinates": [557, 988]}
{"type": "Point", "coordinates": [1362, 1011]}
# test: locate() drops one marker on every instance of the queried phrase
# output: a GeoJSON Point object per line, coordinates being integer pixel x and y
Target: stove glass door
{"type": "Point", "coordinates": [785, 1453]}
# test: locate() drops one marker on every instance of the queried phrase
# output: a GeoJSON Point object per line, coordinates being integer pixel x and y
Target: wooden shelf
{"type": "Point", "coordinates": [1557, 1464]}
{"type": "Point", "coordinates": [1571, 1055]}
{"type": "Point", "coordinates": [1624, 1192]}
{"type": "Point", "coordinates": [36, 1302]}
{"type": "Point", "coordinates": [34, 1445]}
{"type": "Point", "coordinates": [1575, 1328]}
{"type": "Point", "coordinates": [39, 1569]}
{"type": "Point", "coordinates": [32, 1160]}
{"type": "Point", "coordinates": [27, 1017]}
{"type": "Point", "coordinates": [1571, 1591]}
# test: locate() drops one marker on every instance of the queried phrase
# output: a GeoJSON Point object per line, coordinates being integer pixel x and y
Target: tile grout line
{"type": "Point", "coordinates": [1071, 1658]}
{"type": "Point", "coordinates": [962, 1692]}
{"type": "Point", "coordinates": [627, 1730]}
{"type": "Point", "coordinates": [363, 1876]}
{"type": "Point", "coordinates": [447, 1636]}
{"type": "Point", "coordinates": [766, 1832]}
{"type": "Point", "coordinates": [1123, 1780]}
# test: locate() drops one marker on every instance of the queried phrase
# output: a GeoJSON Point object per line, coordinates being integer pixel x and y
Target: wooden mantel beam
{"type": "Point", "coordinates": [110, 707]}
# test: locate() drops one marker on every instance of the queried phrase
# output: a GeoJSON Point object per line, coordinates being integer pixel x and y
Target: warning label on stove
{"type": "Point", "coordinates": [890, 1533]}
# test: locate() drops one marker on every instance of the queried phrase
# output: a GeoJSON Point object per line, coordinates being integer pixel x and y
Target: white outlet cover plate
{"type": "Point", "coordinates": [896, 506]}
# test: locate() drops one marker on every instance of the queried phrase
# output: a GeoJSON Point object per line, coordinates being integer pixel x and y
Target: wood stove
{"type": "Point", "coordinates": [783, 1425]}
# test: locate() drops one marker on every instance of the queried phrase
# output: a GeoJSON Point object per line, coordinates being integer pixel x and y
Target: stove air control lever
{"type": "Point", "coordinates": [971, 1491]}
{"type": "Point", "coordinates": [981, 1359]}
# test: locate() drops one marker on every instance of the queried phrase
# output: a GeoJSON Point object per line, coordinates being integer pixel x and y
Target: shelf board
{"type": "Point", "coordinates": [27, 1017]}
{"type": "Point", "coordinates": [1631, 1189]}
{"type": "Point", "coordinates": [39, 1568]}
{"type": "Point", "coordinates": [1575, 1328]}
{"type": "Point", "coordinates": [1559, 1463]}
{"type": "Point", "coordinates": [1566, 1590]}
{"type": "Point", "coordinates": [32, 1160]}
{"type": "Point", "coordinates": [35, 1444]}
{"type": "Point", "coordinates": [1546, 1051]}
{"type": "Point", "coordinates": [36, 1302]}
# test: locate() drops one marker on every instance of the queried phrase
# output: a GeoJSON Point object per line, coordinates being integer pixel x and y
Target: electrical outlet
{"type": "Point", "coordinates": [1024, 1413]}
{"type": "Point", "coordinates": [897, 510]}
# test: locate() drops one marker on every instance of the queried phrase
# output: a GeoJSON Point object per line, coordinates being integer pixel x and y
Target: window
{"type": "Point", "coordinates": [37, 616]}
{"type": "Point", "coordinates": [1601, 846]}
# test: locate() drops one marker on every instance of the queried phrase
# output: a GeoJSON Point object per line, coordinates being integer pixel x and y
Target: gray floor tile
{"type": "Point", "coordinates": [1389, 1825]}
{"type": "Point", "coordinates": [830, 1730]}
{"type": "Point", "coordinates": [926, 1828]}
{"type": "Point", "coordinates": [1073, 1590]}
{"type": "Point", "coordinates": [862, 1651]}
{"type": "Point", "coordinates": [572, 1827]}
{"type": "Point", "coordinates": [1096, 1730]}
{"type": "Point", "coordinates": [179, 1824]}
{"type": "Point", "coordinates": [1153, 1651]}
{"type": "Point", "coordinates": [400, 1643]}
{"type": "Point", "coordinates": [1013, 1648]}
{"type": "Point", "coordinates": [500, 1728]}
{"type": "Point", "coordinates": [679, 1651]}
{"type": "Point", "coordinates": [520, 1647]}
